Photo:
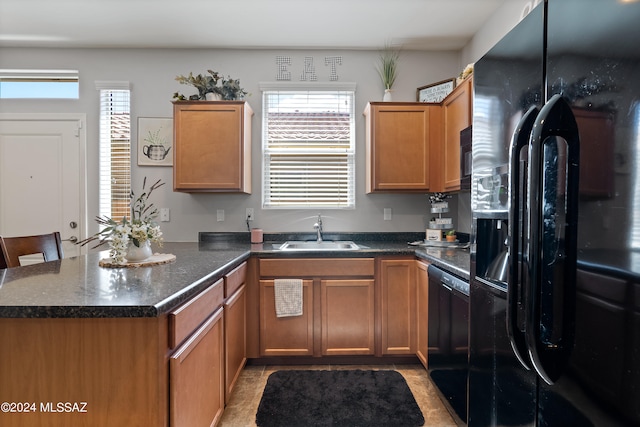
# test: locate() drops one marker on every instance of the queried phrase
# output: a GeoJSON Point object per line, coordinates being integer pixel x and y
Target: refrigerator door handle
{"type": "Point", "coordinates": [554, 155]}
{"type": "Point", "coordinates": [515, 288]}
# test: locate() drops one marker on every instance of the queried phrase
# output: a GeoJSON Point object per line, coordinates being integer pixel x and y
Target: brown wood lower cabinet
{"type": "Point", "coordinates": [398, 314]}
{"type": "Point", "coordinates": [196, 384]}
{"type": "Point", "coordinates": [338, 308]}
{"type": "Point", "coordinates": [114, 369]}
{"type": "Point", "coordinates": [235, 338]}
{"type": "Point", "coordinates": [285, 336]}
{"type": "Point", "coordinates": [422, 312]}
{"type": "Point", "coordinates": [196, 366]}
{"type": "Point", "coordinates": [347, 317]}
{"type": "Point", "coordinates": [235, 326]}
{"type": "Point", "coordinates": [131, 371]}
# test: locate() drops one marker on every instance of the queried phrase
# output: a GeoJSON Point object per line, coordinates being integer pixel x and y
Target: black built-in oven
{"type": "Point", "coordinates": [449, 339]}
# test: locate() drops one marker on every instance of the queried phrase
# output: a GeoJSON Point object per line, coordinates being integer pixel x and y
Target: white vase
{"type": "Point", "coordinates": [210, 96]}
{"type": "Point", "coordinates": [387, 95]}
{"type": "Point", "coordinates": [138, 254]}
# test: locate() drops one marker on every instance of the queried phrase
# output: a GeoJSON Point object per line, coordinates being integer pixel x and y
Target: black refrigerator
{"type": "Point", "coordinates": [554, 305]}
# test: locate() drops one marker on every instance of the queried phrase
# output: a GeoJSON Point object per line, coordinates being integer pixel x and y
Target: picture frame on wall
{"type": "Point", "coordinates": [155, 141]}
{"type": "Point", "coordinates": [435, 92]}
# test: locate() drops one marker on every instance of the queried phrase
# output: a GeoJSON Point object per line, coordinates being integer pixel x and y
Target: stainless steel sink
{"type": "Point", "coordinates": [296, 245]}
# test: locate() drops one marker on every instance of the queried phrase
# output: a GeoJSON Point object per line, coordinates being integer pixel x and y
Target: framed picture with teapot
{"type": "Point", "coordinates": [155, 141]}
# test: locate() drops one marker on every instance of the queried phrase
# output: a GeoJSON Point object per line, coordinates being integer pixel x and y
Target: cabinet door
{"type": "Point", "coordinates": [422, 312]}
{"type": "Point", "coordinates": [285, 336]}
{"type": "Point", "coordinates": [457, 116]}
{"type": "Point", "coordinates": [440, 324]}
{"type": "Point", "coordinates": [196, 376]}
{"type": "Point", "coordinates": [212, 149]}
{"type": "Point", "coordinates": [235, 338]}
{"type": "Point", "coordinates": [347, 317]}
{"type": "Point", "coordinates": [398, 146]}
{"type": "Point", "coordinates": [398, 285]}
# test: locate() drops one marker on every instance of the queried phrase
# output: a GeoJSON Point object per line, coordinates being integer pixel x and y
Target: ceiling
{"type": "Point", "coordinates": [243, 24]}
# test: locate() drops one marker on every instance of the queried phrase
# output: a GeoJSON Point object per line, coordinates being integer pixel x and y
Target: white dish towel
{"type": "Point", "coordinates": [288, 297]}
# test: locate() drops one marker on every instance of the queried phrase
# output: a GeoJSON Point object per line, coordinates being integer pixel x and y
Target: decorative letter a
{"type": "Point", "coordinates": [309, 70]}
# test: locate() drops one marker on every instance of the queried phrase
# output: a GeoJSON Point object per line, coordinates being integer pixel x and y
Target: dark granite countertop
{"type": "Point", "coordinates": [455, 261]}
{"type": "Point", "coordinates": [78, 287]}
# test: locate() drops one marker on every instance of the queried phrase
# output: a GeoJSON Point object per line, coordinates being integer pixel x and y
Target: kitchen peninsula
{"type": "Point", "coordinates": [85, 345]}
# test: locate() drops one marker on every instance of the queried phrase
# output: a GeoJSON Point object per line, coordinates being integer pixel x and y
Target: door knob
{"type": "Point", "coordinates": [72, 239]}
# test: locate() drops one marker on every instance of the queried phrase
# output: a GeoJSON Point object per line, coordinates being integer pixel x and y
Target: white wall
{"type": "Point", "coordinates": [152, 72]}
{"type": "Point", "coordinates": [500, 23]}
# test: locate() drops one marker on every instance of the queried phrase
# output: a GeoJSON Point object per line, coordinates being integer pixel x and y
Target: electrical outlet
{"type": "Point", "coordinates": [164, 215]}
{"type": "Point", "coordinates": [249, 215]}
{"type": "Point", "coordinates": [220, 214]}
{"type": "Point", "coordinates": [387, 214]}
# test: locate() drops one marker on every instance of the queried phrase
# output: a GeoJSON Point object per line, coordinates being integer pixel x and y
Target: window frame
{"type": "Point", "coordinates": [39, 84]}
{"type": "Point", "coordinates": [340, 150]}
{"type": "Point", "coordinates": [114, 150]}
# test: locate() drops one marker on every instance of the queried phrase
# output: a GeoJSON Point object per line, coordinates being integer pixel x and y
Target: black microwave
{"type": "Point", "coordinates": [465, 159]}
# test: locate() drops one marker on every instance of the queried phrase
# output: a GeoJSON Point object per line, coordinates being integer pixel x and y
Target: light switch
{"type": "Point", "coordinates": [220, 213]}
{"type": "Point", "coordinates": [387, 214]}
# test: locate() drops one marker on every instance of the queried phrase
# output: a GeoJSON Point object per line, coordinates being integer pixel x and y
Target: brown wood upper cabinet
{"type": "Point", "coordinates": [212, 146]}
{"type": "Point", "coordinates": [414, 146]}
{"type": "Point", "coordinates": [457, 115]}
{"type": "Point", "coordinates": [398, 149]}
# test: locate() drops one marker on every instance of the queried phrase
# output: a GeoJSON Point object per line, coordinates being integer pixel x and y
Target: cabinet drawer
{"type": "Point", "coordinates": [312, 267]}
{"type": "Point", "coordinates": [196, 378]}
{"type": "Point", "coordinates": [235, 279]}
{"type": "Point", "coordinates": [186, 318]}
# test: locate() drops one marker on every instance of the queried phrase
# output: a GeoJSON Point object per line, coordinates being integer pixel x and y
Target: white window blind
{"type": "Point", "coordinates": [115, 153]}
{"type": "Point", "coordinates": [308, 149]}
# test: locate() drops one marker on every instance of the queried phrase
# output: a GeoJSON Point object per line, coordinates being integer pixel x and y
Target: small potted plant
{"type": "Point", "coordinates": [451, 235]}
{"type": "Point", "coordinates": [388, 69]}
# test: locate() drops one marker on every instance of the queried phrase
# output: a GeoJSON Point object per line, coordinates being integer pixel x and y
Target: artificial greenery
{"type": "Point", "coordinates": [229, 89]}
{"type": "Point", "coordinates": [138, 229]}
{"type": "Point", "coordinates": [388, 66]}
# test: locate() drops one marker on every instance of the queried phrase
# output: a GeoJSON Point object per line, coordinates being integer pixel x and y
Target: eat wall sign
{"type": "Point", "coordinates": [308, 72]}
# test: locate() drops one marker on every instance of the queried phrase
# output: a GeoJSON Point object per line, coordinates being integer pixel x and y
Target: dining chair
{"type": "Point", "coordinates": [12, 248]}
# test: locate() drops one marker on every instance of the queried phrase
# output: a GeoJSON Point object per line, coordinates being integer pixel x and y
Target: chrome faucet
{"type": "Point", "coordinates": [318, 227]}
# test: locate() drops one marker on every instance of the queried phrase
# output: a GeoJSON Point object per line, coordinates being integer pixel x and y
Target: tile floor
{"type": "Point", "coordinates": [242, 408]}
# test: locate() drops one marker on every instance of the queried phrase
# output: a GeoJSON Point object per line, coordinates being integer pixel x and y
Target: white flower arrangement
{"type": "Point", "coordinates": [137, 230]}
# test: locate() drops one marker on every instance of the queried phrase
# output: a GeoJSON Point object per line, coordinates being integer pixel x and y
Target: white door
{"type": "Point", "coordinates": [42, 176]}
